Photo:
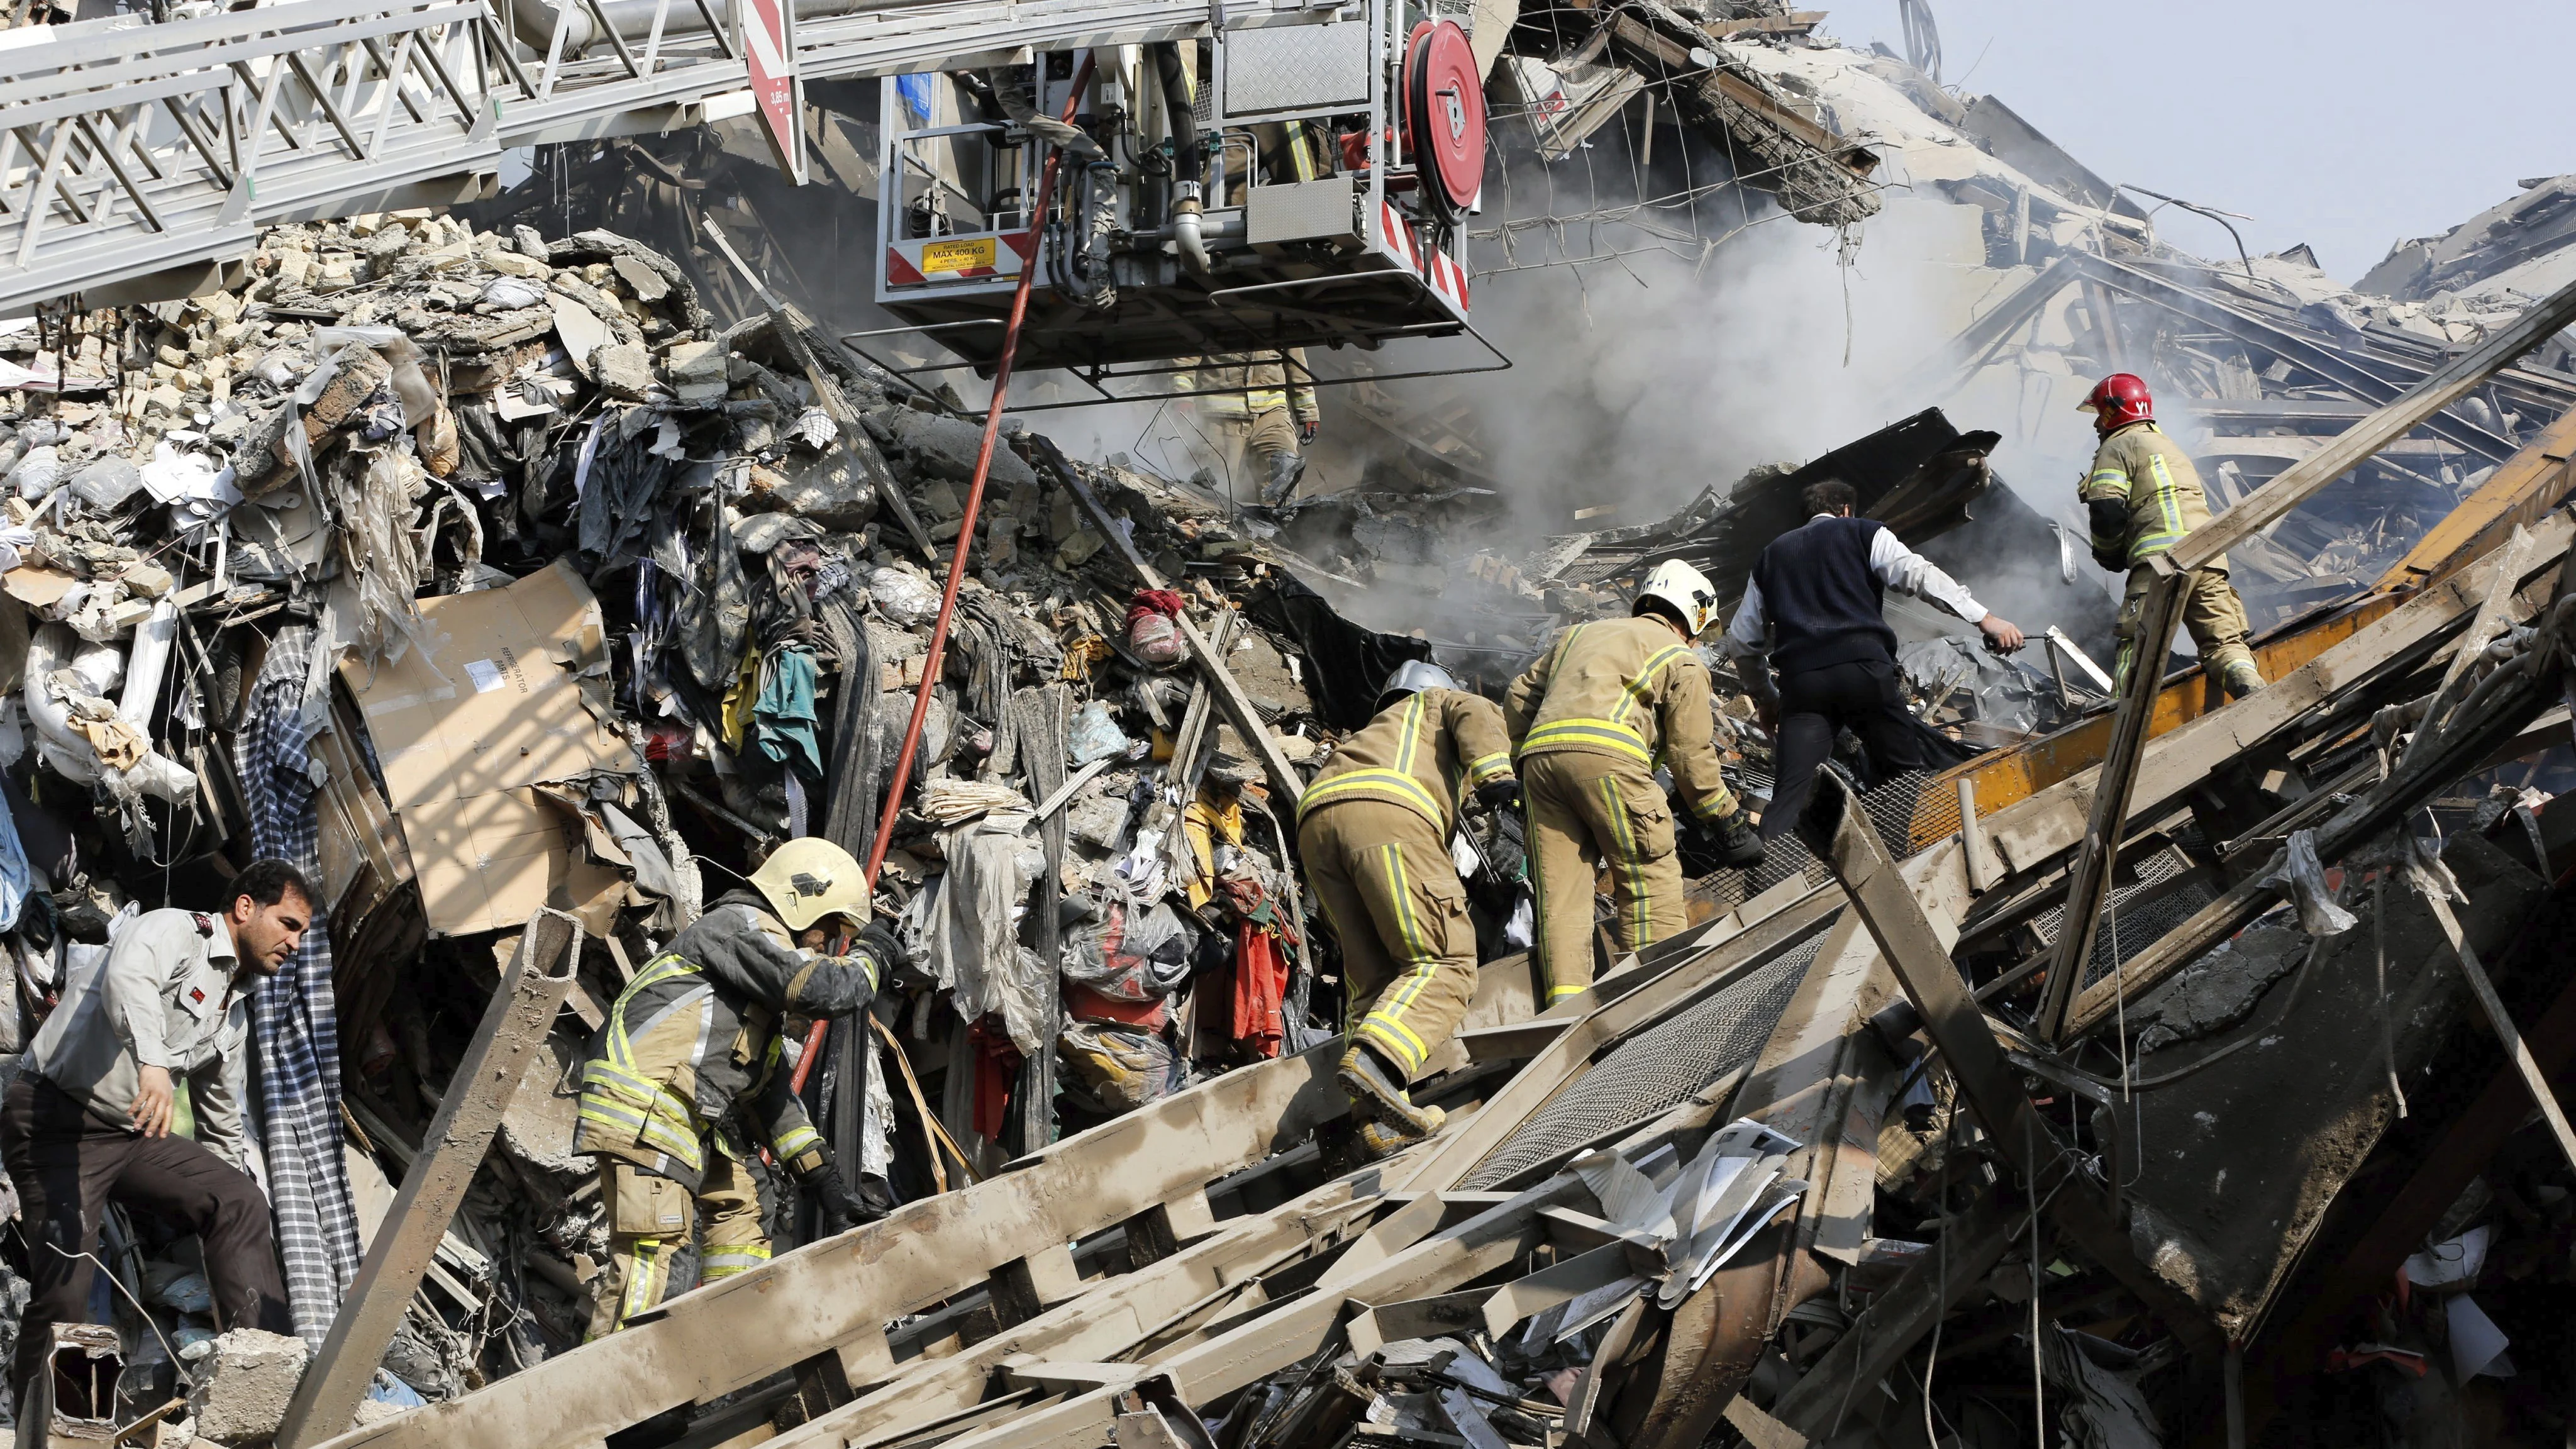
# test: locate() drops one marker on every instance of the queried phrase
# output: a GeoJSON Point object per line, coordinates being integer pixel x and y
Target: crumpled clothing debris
{"type": "Point", "coordinates": [119, 744]}
{"type": "Point", "coordinates": [783, 719]}
{"type": "Point", "coordinates": [969, 926]}
{"type": "Point", "coordinates": [1151, 633]}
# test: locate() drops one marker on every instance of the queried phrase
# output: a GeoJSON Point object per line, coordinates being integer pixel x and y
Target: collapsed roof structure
{"type": "Point", "coordinates": [2162, 1069]}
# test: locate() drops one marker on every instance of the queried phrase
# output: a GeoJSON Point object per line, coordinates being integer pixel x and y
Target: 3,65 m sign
{"type": "Point", "coordinates": [769, 44]}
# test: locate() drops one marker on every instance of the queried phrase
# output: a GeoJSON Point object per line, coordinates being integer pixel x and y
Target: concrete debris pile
{"type": "Point", "coordinates": [2153, 1058]}
{"type": "Point", "coordinates": [1909, 1136]}
{"type": "Point", "coordinates": [488, 575]}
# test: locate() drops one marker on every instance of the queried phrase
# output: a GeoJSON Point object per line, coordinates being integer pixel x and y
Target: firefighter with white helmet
{"type": "Point", "coordinates": [1592, 717]}
{"type": "Point", "coordinates": [692, 1054]}
{"type": "Point", "coordinates": [1374, 832]}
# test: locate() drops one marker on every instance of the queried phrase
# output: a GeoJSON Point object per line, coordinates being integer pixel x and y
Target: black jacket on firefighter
{"type": "Point", "coordinates": [693, 1045]}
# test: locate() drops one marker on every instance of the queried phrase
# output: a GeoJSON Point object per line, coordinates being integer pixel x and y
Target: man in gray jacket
{"type": "Point", "coordinates": [87, 1122]}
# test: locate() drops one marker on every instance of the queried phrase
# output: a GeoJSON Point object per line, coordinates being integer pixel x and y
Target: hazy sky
{"type": "Point", "coordinates": [2345, 124]}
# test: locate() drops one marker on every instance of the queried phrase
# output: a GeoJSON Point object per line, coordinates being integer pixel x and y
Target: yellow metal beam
{"type": "Point", "coordinates": [2522, 488]}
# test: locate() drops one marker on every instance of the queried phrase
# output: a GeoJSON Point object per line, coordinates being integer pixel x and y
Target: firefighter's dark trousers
{"type": "Point", "coordinates": [68, 1166]}
{"type": "Point", "coordinates": [1816, 706]}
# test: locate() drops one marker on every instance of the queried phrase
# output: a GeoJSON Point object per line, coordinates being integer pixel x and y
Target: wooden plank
{"type": "Point", "coordinates": [1109, 1320]}
{"type": "Point", "coordinates": [743, 1329]}
{"type": "Point", "coordinates": [1485, 1243]}
{"type": "Point", "coordinates": [2534, 1080]}
{"type": "Point", "coordinates": [1026, 1287]}
{"type": "Point", "coordinates": [513, 1028]}
{"type": "Point", "coordinates": [2035, 830]}
{"type": "Point", "coordinates": [2521, 490]}
{"type": "Point", "coordinates": [2089, 882]}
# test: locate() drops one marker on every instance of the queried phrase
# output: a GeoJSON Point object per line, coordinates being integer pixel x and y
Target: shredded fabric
{"type": "Point", "coordinates": [294, 1016]}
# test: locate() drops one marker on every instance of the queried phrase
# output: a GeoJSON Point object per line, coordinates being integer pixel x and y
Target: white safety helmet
{"type": "Point", "coordinates": [1683, 589]}
{"type": "Point", "coordinates": [1412, 677]}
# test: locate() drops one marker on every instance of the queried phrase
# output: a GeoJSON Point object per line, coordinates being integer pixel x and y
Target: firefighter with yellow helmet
{"type": "Point", "coordinates": [1592, 717]}
{"type": "Point", "coordinates": [692, 1054]}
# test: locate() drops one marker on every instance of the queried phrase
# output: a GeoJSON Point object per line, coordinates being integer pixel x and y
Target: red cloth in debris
{"type": "Point", "coordinates": [997, 1066]}
{"type": "Point", "coordinates": [1260, 985]}
{"type": "Point", "coordinates": [1153, 601]}
{"type": "Point", "coordinates": [1081, 1003]}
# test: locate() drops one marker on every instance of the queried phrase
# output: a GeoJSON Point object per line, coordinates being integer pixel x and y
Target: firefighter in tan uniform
{"type": "Point", "coordinates": [1591, 717]}
{"type": "Point", "coordinates": [1374, 833]}
{"type": "Point", "coordinates": [2142, 496]}
{"type": "Point", "coordinates": [691, 1054]}
{"type": "Point", "coordinates": [1264, 411]}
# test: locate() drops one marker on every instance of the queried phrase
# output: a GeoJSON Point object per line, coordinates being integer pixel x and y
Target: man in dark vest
{"type": "Point", "coordinates": [1811, 612]}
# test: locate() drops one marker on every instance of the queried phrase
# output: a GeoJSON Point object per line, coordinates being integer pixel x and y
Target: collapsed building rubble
{"type": "Point", "coordinates": [529, 588]}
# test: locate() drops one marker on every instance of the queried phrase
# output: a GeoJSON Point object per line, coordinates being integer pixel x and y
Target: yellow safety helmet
{"type": "Point", "coordinates": [807, 879]}
{"type": "Point", "coordinates": [1684, 590]}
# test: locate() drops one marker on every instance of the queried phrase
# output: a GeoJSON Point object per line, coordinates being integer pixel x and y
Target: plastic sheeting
{"type": "Point", "coordinates": [969, 928]}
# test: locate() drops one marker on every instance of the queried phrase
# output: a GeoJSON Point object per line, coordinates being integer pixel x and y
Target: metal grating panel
{"type": "Point", "coordinates": [1651, 1072]}
{"type": "Point", "coordinates": [1296, 68]}
{"type": "Point", "coordinates": [2139, 929]}
{"type": "Point", "coordinates": [1890, 808]}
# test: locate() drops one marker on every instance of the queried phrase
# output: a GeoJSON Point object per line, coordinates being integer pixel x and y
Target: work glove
{"type": "Point", "coordinates": [1307, 430]}
{"type": "Point", "coordinates": [841, 1208]}
{"type": "Point", "coordinates": [1497, 838]}
{"type": "Point", "coordinates": [878, 943]}
{"type": "Point", "coordinates": [2109, 562]}
{"type": "Point", "coordinates": [1495, 796]}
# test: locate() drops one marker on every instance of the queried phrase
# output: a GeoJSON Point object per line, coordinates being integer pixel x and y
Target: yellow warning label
{"type": "Point", "coordinates": [957, 256]}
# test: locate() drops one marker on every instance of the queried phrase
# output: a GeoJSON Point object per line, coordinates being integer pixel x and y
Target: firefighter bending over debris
{"type": "Point", "coordinates": [1263, 407]}
{"type": "Point", "coordinates": [1812, 610]}
{"type": "Point", "coordinates": [1374, 832]}
{"type": "Point", "coordinates": [1591, 717]}
{"type": "Point", "coordinates": [693, 1047]}
{"type": "Point", "coordinates": [2143, 496]}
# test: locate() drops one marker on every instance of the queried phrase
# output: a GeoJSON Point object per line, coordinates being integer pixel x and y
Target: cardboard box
{"type": "Point", "coordinates": [464, 728]}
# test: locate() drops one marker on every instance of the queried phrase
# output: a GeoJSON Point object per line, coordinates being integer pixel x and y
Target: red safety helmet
{"type": "Point", "coordinates": [2119, 400]}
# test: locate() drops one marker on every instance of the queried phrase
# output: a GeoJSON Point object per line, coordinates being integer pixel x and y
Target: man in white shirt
{"type": "Point", "coordinates": [1812, 612]}
{"type": "Point", "coordinates": [88, 1120]}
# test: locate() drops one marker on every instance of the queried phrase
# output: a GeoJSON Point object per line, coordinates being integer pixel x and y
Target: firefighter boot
{"type": "Point", "coordinates": [1381, 1140]}
{"type": "Point", "coordinates": [1738, 847]}
{"type": "Point", "coordinates": [1285, 470]}
{"type": "Point", "coordinates": [1379, 1090]}
{"type": "Point", "coordinates": [2241, 679]}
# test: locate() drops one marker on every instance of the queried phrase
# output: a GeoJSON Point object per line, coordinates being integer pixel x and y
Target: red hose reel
{"type": "Point", "coordinates": [1444, 117]}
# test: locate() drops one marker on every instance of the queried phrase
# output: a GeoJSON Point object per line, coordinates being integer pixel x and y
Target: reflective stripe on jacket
{"type": "Point", "coordinates": [1629, 688]}
{"type": "Point", "coordinates": [1424, 752]}
{"type": "Point", "coordinates": [1248, 384]}
{"type": "Point", "coordinates": [2142, 468]}
{"type": "Point", "coordinates": [696, 1035]}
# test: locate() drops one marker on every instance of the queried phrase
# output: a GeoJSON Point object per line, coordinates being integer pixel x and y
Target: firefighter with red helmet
{"type": "Point", "coordinates": [2142, 496]}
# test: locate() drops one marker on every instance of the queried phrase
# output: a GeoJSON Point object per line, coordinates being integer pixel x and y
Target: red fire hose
{"type": "Point", "coordinates": [930, 669]}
